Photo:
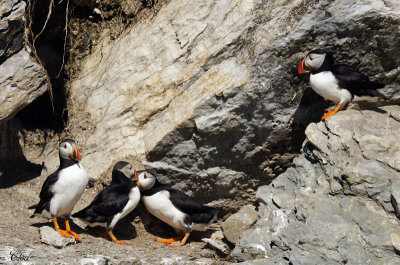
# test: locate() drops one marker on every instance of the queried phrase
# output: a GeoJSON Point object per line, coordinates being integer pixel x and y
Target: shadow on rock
{"type": "Point", "coordinates": [14, 170]}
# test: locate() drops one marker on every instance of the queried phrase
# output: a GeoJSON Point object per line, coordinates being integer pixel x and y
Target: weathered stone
{"type": "Point", "coordinates": [21, 79]}
{"type": "Point", "coordinates": [51, 237]}
{"type": "Point", "coordinates": [239, 222]}
{"type": "Point", "coordinates": [11, 27]}
{"type": "Point", "coordinates": [217, 244]}
{"type": "Point", "coordinates": [336, 206]}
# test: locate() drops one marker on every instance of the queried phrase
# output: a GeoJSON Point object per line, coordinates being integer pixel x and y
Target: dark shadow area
{"type": "Point", "coordinates": [311, 109]}
{"type": "Point", "coordinates": [14, 168]}
{"type": "Point", "coordinates": [48, 112]}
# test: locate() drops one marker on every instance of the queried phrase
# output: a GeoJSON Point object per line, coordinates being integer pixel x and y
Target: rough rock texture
{"type": "Point", "coordinates": [237, 223]}
{"type": "Point", "coordinates": [337, 205]}
{"type": "Point", "coordinates": [21, 79]}
{"type": "Point", "coordinates": [51, 237]}
{"type": "Point", "coordinates": [208, 92]}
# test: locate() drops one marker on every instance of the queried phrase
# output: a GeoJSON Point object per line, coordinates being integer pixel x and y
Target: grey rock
{"type": "Point", "coordinates": [11, 27]}
{"type": "Point", "coordinates": [217, 244]}
{"type": "Point", "coordinates": [22, 79]}
{"type": "Point", "coordinates": [51, 237]}
{"type": "Point", "coordinates": [239, 222]}
{"type": "Point", "coordinates": [338, 204]}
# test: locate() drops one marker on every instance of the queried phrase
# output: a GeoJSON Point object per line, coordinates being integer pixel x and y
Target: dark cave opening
{"type": "Point", "coordinates": [45, 113]}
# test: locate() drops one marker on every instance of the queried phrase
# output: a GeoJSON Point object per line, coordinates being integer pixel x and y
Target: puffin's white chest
{"type": "Point", "coordinates": [68, 189]}
{"type": "Point", "coordinates": [326, 85]}
{"type": "Point", "coordinates": [134, 198]}
{"type": "Point", "coordinates": [161, 207]}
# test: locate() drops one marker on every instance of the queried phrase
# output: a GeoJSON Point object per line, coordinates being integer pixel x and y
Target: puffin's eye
{"type": "Point", "coordinates": [145, 176]}
{"type": "Point", "coordinates": [65, 146]}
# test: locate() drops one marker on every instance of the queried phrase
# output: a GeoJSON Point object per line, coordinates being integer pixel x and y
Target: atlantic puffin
{"type": "Point", "coordinates": [174, 208]}
{"type": "Point", "coordinates": [62, 189]}
{"type": "Point", "coordinates": [336, 82]}
{"type": "Point", "coordinates": [114, 202]}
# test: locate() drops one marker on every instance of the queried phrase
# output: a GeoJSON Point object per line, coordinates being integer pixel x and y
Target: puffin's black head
{"type": "Point", "coordinates": [315, 60]}
{"type": "Point", "coordinates": [125, 168]}
{"type": "Point", "coordinates": [69, 150]}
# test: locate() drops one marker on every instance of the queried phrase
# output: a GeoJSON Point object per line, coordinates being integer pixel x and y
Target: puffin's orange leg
{"type": "Point", "coordinates": [116, 240]}
{"type": "Point", "coordinates": [168, 240]}
{"type": "Point", "coordinates": [60, 231]}
{"type": "Point", "coordinates": [102, 235]}
{"type": "Point", "coordinates": [331, 112]}
{"type": "Point", "coordinates": [182, 242]}
{"type": "Point", "coordinates": [77, 238]}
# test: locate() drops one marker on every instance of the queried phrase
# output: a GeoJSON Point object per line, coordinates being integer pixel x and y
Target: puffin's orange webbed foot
{"type": "Point", "coordinates": [116, 240]}
{"type": "Point", "coordinates": [182, 242]}
{"type": "Point", "coordinates": [331, 112]}
{"type": "Point", "coordinates": [69, 231]}
{"type": "Point", "coordinates": [168, 240]}
{"type": "Point", "coordinates": [59, 230]}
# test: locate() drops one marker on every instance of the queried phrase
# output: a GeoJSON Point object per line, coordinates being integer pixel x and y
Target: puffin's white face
{"type": "Point", "coordinates": [313, 61]}
{"type": "Point", "coordinates": [69, 150]}
{"type": "Point", "coordinates": [128, 171]}
{"type": "Point", "coordinates": [146, 180]}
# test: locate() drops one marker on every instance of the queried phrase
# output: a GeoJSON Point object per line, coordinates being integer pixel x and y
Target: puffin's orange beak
{"type": "Point", "coordinates": [136, 178]}
{"type": "Point", "coordinates": [300, 69]}
{"type": "Point", "coordinates": [76, 155]}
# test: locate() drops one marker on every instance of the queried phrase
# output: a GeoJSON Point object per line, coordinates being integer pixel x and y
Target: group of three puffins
{"type": "Point", "coordinates": [62, 190]}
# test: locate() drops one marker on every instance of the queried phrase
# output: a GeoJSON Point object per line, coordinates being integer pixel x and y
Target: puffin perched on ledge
{"type": "Point", "coordinates": [336, 82]}
{"type": "Point", "coordinates": [62, 189]}
{"type": "Point", "coordinates": [114, 202]}
{"type": "Point", "coordinates": [174, 208]}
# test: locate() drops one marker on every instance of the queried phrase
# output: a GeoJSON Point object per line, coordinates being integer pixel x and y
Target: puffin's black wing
{"type": "Point", "coordinates": [354, 81]}
{"type": "Point", "coordinates": [197, 212]}
{"type": "Point", "coordinates": [106, 204]}
{"type": "Point", "coordinates": [46, 194]}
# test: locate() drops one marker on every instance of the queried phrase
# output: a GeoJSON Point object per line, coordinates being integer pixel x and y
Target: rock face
{"type": "Point", "coordinates": [21, 79]}
{"type": "Point", "coordinates": [208, 92]}
{"type": "Point", "coordinates": [338, 204]}
{"type": "Point", "coordinates": [237, 223]}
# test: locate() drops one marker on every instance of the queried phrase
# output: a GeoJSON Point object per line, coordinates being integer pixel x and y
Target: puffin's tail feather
{"type": "Point", "coordinates": [374, 85]}
{"type": "Point", "coordinates": [204, 217]}
{"type": "Point", "coordinates": [372, 93]}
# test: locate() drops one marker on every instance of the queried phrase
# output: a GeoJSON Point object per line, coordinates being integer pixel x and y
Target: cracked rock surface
{"type": "Point", "coordinates": [22, 79]}
{"type": "Point", "coordinates": [338, 205]}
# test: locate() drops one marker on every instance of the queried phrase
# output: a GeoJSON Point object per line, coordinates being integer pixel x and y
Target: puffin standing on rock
{"type": "Point", "coordinates": [174, 208]}
{"type": "Point", "coordinates": [114, 202]}
{"type": "Point", "coordinates": [62, 189]}
{"type": "Point", "coordinates": [336, 82]}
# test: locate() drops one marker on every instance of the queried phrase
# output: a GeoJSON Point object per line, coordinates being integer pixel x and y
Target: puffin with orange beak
{"type": "Point", "coordinates": [175, 208]}
{"type": "Point", "coordinates": [114, 202]}
{"type": "Point", "coordinates": [336, 82]}
{"type": "Point", "coordinates": [62, 189]}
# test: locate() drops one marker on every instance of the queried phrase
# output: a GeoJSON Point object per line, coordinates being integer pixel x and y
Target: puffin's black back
{"type": "Point", "coordinates": [110, 201]}
{"type": "Point", "coordinates": [197, 212]}
{"type": "Point", "coordinates": [354, 81]}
